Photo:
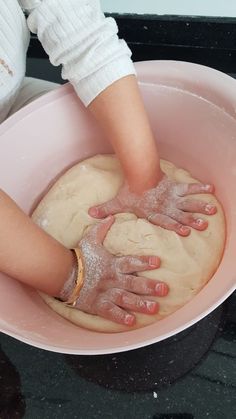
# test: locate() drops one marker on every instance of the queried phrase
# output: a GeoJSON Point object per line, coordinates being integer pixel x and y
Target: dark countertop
{"type": "Point", "coordinates": [39, 384]}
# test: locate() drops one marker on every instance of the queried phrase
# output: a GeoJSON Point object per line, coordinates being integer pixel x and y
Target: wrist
{"type": "Point", "coordinates": [71, 290]}
{"type": "Point", "coordinates": [141, 182]}
{"type": "Point", "coordinates": [70, 281]}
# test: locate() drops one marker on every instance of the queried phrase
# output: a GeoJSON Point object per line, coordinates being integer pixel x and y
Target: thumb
{"type": "Point", "coordinates": [103, 210]}
{"type": "Point", "coordinates": [100, 230]}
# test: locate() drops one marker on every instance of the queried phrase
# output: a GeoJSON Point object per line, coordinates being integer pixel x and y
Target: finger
{"type": "Point", "coordinates": [139, 285]}
{"type": "Point", "coordinates": [188, 219]}
{"type": "Point", "coordinates": [184, 189]}
{"type": "Point", "coordinates": [131, 264]}
{"type": "Point", "coordinates": [193, 205]}
{"type": "Point", "coordinates": [110, 311]}
{"type": "Point", "coordinates": [169, 224]}
{"type": "Point", "coordinates": [133, 302]}
{"type": "Point", "coordinates": [103, 210]}
{"type": "Point", "coordinates": [99, 231]}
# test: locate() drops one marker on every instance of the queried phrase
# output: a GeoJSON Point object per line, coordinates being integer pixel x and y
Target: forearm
{"type": "Point", "coordinates": [28, 254]}
{"type": "Point", "coordinates": [98, 64]}
{"type": "Point", "coordinates": [120, 111]}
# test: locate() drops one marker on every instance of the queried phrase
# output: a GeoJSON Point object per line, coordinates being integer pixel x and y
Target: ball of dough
{"type": "Point", "coordinates": [187, 263]}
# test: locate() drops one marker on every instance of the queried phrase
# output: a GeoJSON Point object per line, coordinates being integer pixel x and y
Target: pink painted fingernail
{"type": "Point", "coordinates": [210, 209]}
{"type": "Point", "coordinates": [154, 261]}
{"type": "Point", "coordinates": [184, 230]}
{"type": "Point", "coordinates": [151, 306]}
{"type": "Point", "coordinates": [162, 289]}
{"type": "Point", "coordinates": [129, 320]}
{"type": "Point", "coordinates": [199, 222]}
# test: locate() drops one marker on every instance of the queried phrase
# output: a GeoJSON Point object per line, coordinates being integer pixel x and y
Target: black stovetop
{"type": "Point", "coordinates": [192, 375]}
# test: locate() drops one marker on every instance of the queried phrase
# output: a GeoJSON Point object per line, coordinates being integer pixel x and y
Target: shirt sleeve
{"type": "Point", "coordinates": [76, 34]}
{"type": "Point", "coordinates": [14, 41]}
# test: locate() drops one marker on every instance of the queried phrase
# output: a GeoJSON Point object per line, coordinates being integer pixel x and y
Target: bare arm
{"type": "Point", "coordinates": [98, 65]}
{"type": "Point", "coordinates": [121, 113]}
{"type": "Point", "coordinates": [28, 254]}
{"type": "Point", "coordinates": [146, 192]}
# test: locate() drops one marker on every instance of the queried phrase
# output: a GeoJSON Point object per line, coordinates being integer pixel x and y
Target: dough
{"type": "Point", "coordinates": [187, 263]}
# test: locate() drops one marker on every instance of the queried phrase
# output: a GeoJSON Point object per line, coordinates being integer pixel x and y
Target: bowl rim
{"type": "Point", "coordinates": [58, 93]}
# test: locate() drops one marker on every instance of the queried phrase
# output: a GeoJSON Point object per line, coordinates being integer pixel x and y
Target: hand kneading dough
{"type": "Point", "coordinates": [187, 263]}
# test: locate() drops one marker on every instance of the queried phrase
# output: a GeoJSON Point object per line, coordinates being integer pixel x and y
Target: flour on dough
{"type": "Point", "coordinates": [187, 262]}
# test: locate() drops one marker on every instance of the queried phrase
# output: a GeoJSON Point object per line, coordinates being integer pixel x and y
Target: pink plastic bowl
{"type": "Point", "coordinates": [192, 110]}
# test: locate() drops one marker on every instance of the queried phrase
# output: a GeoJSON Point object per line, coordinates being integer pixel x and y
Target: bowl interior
{"type": "Point", "coordinates": [192, 112]}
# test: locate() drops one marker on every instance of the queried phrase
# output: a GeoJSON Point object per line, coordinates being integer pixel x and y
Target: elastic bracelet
{"type": "Point", "coordinates": [79, 281]}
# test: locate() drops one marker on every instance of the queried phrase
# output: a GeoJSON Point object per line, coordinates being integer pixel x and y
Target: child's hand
{"type": "Point", "coordinates": [111, 287]}
{"type": "Point", "coordinates": [167, 205]}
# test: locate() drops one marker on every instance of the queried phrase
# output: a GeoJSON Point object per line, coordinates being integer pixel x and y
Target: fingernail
{"type": "Point", "coordinates": [154, 261]}
{"type": "Point", "coordinates": [93, 212]}
{"type": "Point", "coordinates": [184, 229]}
{"type": "Point", "coordinates": [162, 289]}
{"type": "Point", "coordinates": [151, 306]}
{"type": "Point", "coordinates": [210, 209]}
{"type": "Point", "coordinates": [129, 320]}
{"type": "Point", "coordinates": [199, 222]}
{"type": "Point", "coordinates": [207, 187]}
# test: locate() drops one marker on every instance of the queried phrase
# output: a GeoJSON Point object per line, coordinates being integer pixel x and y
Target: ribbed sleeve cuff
{"type": "Point", "coordinates": [76, 34]}
{"type": "Point", "coordinates": [89, 88]}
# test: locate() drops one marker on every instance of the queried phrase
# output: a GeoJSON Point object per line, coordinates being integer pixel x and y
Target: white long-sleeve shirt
{"type": "Point", "coordinates": [74, 33]}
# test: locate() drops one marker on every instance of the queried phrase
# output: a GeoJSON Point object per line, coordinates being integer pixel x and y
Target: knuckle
{"type": "Point", "coordinates": [147, 285]}
{"type": "Point", "coordinates": [106, 208]}
{"type": "Point", "coordinates": [129, 259]}
{"type": "Point", "coordinates": [115, 268]}
{"type": "Point", "coordinates": [103, 305]}
{"type": "Point", "coordinates": [124, 299]}
{"type": "Point", "coordinates": [166, 221]}
{"type": "Point", "coordinates": [190, 218]}
{"type": "Point", "coordinates": [131, 300]}
{"type": "Point", "coordinates": [184, 217]}
{"type": "Point", "coordinates": [118, 265]}
{"type": "Point", "coordinates": [140, 262]}
{"type": "Point", "coordinates": [111, 205]}
{"type": "Point", "coordinates": [139, 302]}
{"type": "Point", "coordinates": [184, 203]}
{"type": "Point", "coordinates": [121, 298]}
{"type": "Point", "coordinates": [118, 314]}
{"type": "Point", "coordinates": [122, 264]}
{"type": "Point", "coordinates": [128, 263]}
{"type": "Point", "coordinates": [110, 311]}
{"type": "Point", "coordinates": [181, 189]}
{"type": "Point", "coordinates": [130, 282]}
{"type": "Point", "coordinates": [115, 295]}
{"type": "Point", "coordinates": [139, 285]}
